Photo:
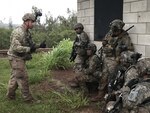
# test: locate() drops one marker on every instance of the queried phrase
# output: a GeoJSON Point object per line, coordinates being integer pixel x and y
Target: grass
{"type": "Point", "coordinates": [51, 101]}
{"type": "Point", "coordinates": [38, 70]}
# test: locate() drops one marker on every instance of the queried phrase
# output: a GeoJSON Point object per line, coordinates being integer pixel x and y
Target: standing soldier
{"type": "Point", "coordinates": [19, 52]}
{"type": "Point", "coordinates": [80, 45]}
{"type": "Point", "coordinates": [79, 48]}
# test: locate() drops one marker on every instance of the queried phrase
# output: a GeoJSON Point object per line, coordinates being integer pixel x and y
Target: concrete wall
{"type": "Point", "coordinates": [86, 15]}
{"type": "Point", "coordinates": [135, 12]}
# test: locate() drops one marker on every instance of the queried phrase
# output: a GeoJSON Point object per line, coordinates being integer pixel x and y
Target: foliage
{"type": "Point", "coordinates": [53, 30]}
{"type": "Point", "coordinates": [40, 73]}
{"type": "Point", "coordinates": [4, 38]}
{"type": "Point", "coordinates": [51, 102]}
{"type": "Point", "coordinates": [58, 58]}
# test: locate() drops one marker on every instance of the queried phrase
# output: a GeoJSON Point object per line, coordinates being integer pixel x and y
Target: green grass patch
{"type": "Point", "coordinates": [38, 70]}
{"type": "Point", "coordinates": [59, 57]}
{"type": "Point", "coordinates": [72, 99]}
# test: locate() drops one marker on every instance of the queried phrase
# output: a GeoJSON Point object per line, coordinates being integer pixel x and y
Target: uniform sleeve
{"type": "Point", "coordinates": [16, 45]}
{"type": "Point", "coordinates": [127, 42]}
{"type": "Point", "coordinates": [92, 65]}
{"type": "Point", "coordinates": [84, 40]}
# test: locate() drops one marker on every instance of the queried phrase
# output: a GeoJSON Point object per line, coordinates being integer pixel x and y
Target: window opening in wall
{"type": "Point", "coordinates": [105, 11]}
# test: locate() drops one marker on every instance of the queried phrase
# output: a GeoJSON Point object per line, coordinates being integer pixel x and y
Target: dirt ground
{"type": "Point", "coordinates": [62, 77]}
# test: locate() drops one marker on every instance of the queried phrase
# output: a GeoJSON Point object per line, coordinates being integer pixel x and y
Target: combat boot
{"type": "Point", "coordinates": [98, 97]}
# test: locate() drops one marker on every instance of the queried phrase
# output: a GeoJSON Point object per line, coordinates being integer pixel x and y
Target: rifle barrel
{"type": "Point", "coordinates": [129, 28]}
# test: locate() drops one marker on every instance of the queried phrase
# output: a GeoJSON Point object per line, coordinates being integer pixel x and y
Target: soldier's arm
{"type": "Point", "coordinates": [84, 39]}
{"type": "Point", "coordinates": [16, 45]}
{"type": "Point", "coordinates": [127, 42]}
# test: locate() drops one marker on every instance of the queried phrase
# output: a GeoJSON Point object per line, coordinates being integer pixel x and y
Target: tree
{"type": "Point", "coordinates": [10, 23]}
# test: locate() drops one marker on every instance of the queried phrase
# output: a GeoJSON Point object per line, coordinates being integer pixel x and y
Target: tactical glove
{"type": "Point", "coordinates": [32, 48]}
{"type": "Point", "coordinates": [43, 44]}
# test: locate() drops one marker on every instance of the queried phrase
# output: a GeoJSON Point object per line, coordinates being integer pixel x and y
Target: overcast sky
{"type": "Point", "coordinates": [15, 9]}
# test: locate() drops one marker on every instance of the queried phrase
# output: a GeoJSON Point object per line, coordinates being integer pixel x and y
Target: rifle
{"type": "Point", "coordinates": [117, 79]}
{"type": "Point", "coordinates": [73, 52]}
{"type": "Point", "coordinates": [115, 43]}
{"type": "Point", "coordinates": [100, 51]}
{"type": "Point", "coordinates": [116, 107]}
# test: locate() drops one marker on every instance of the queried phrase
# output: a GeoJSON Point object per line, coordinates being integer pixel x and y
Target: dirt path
{"type": "Point", "coordinates": [61, 78]}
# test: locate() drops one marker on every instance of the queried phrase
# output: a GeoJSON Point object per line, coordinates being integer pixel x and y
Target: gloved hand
{"type": "Point", "coordinates": [32, 48]}
{"type": "Point", "coordinates": [43, 44]}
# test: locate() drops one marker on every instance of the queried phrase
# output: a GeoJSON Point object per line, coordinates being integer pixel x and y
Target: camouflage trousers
{"type": "Point", "coordinates": [19, 78]}
{"type": "Point", "coordinates": [144, 109]}
{"type": "Point", "coordinates": [79, 63]}
{"type": "Point", "coordinates": [109, 67]}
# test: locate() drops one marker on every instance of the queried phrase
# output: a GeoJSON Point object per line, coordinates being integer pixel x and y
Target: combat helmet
{"type": "Point", "coordinates": [116, 24]}
{"type": "Point", "coordinates": [28, 16]}
{"type": "Point", "coordinates": [92, 46]}
{"type": "Point", "coordinates": [129, 57]}
{"type": "Point", "coordinates": [78, 25]}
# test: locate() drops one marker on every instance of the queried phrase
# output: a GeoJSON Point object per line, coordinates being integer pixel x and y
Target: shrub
{"type": "Point", "coordinates": [58, 58]}
{"type": "Point", "coordinates": [5, 38]}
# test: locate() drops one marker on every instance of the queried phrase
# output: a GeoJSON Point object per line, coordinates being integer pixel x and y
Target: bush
{"type": "Point", "coordinates": [58, 58]}
{"type": "Point", "coordinates": [4, 38]}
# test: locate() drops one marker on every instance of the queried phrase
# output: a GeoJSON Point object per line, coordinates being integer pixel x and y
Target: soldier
{"type": "Point", "coordinates": [118, 41]}
{"type": "Point", "coordinates": [80, 44]}
{"type": "Point", "coordinates": [19, 52]}
{"type": "Point", "coordinates": [79, 49]}
{"type": "Point", "coordinates": [91, 72]}
{"type": "Point", "coordinates": [136, 89]}
{"type": "Point", "coordinates": [93, 67]}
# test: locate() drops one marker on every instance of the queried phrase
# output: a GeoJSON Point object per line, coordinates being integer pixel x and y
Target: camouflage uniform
{"type": "Point", "coordinates": [91, 72]}
{"type": "Point", "coordinates": [121, 41]}
{"type": "Point", "coordinates": [116, 43]}
{"type": "Point", "coordinates": [80, 44]}
{"type": "Point", "coordinates": [133, 97]}
{"type": "Point", "coordinates": [18, 53]}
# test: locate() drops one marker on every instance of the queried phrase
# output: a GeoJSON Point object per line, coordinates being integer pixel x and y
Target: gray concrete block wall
{"type": "Point", "coordinates": [137, 12]}
{"type": "Point", "coordinates": [85, 15]}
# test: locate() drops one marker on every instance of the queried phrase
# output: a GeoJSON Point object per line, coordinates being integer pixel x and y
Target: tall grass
{"type": "Point", "coordinates": [59, 57]}
{"type": "Point", "coordinates": [37, 71]}
{"type": "Point", "coordinates": [72, 99]}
